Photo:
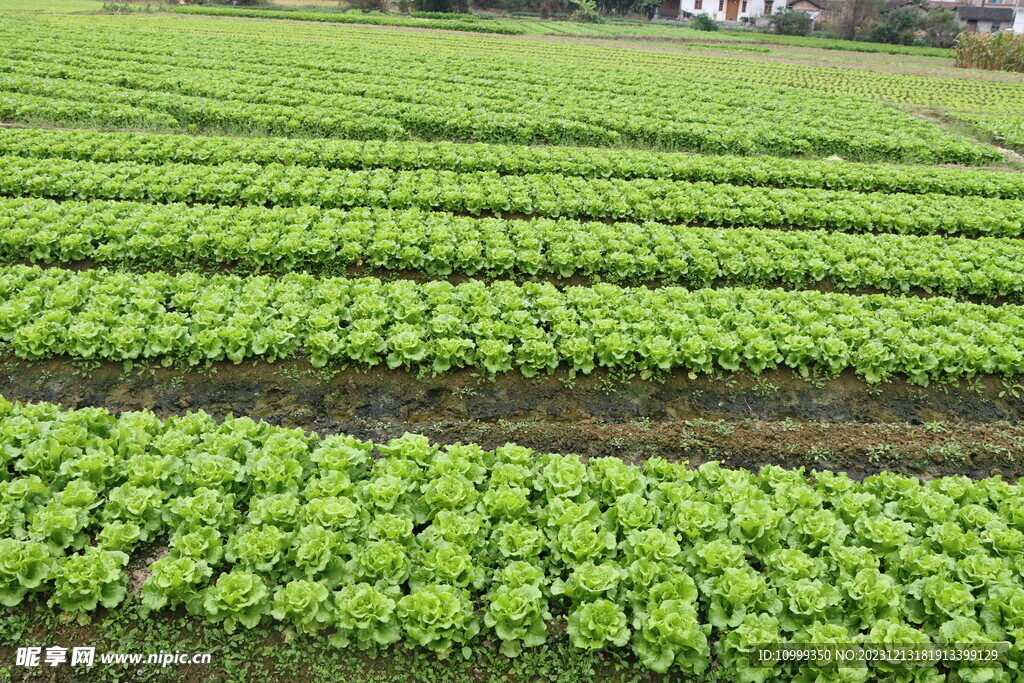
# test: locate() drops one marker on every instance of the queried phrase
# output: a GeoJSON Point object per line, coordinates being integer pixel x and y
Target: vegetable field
{"type": "Point", "coordinates": [449, 349]}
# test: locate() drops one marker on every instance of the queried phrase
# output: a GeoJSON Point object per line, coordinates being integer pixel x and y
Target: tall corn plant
{"type": "Point", "coordinates": [1002, 51]}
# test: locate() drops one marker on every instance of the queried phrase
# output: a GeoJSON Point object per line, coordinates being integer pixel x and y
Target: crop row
{"type": "Point", "coordinates": [71, 103]}
{"type": "Point", "coordinates": [682, 565]}
{"type": "Point", "coordinates": [444, 24]}
{"type": "Point", "coordinates": [535, 102]}
{"type": "Point", "coordinates": [534, 327]}
{"type": "Point", "coordinates": [87, 145]}
{"type": "Point", "coordinates": [528, 194]}
{"type": "Point", "coordinates": [178, 236]}
{"type": "Point", "coordinates": [32, 108]}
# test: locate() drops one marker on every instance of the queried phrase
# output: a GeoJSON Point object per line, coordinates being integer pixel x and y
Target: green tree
{"type": "Point", "coordinates": [791, 23]}
{"type": "Point", "coordinates": [586, 11]}
{"type": "Point", "coordinates": [902, 26]}
{"type": "Point", "coordinates": [942, 27]}
{"type": "Point", "coordinates": [857, 17]}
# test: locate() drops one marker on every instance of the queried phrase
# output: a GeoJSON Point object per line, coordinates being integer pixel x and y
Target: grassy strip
{"type": "Point", "coordinates": [1007, 130]}
{"type": "Point", "coordinates": [339, 18]}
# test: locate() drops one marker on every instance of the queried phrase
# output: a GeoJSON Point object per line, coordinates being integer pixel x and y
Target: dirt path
{"type": "Point", "coordinates": [777, 418]}
{"type": "Point", "coordinates": [1015, 161]}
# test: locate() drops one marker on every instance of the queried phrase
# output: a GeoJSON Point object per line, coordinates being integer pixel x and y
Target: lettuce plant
{"type": "Point", "coordinates": [140, 505]}
{"type": "Point", "coordinates": [118, 535]}
{"type": "Point", "coordinates": [237, 598]}
{"type": "Point", "coordinates": [807, 601]}
{"type": "Point", "coordinates": [24, 566]}
{"type": "Point", "coordinates": [934, 600]}
{"type": "Point", "coordinates": [379, 561]}
{"type": "Point", "coordinates": [736, 593]}
{"type": "Point", "coordinates": [670, 634]}
{"type": "Point", "coordinates": [59, 526]}
{"type": "Point", "coordinates": [589, 581]}
{"type": "Point", "coordinates": [596, 625]}
{"type": "Point", "coordinates": [94, 577]}
{"type": "Point", "coordinates": [518, 616]}
{"type": "Point", "coordinates": [366, 615]}
{"type": "Point", "coordinates": [258, 548]}
{"type": "Point", "coordinates": [737, 648]}
{"type": "Point", "coordinates": [205, 507]}
{"type": "Point", "coordinates": [316, 554]}
{"type": "Point", "coordinates": [174, 581]}
{"type": "Point", "coordinates": [445, 563]}
{"type": "Point", "coordinates": [202, 544]}
{"type": "Point", "coordinates": [306, 605]}
{"type": "Point", "coordinates": [438, 617]}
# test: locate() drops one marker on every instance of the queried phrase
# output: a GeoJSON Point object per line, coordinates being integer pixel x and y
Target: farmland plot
{"type": "Point", "coordinates": [274, 313]}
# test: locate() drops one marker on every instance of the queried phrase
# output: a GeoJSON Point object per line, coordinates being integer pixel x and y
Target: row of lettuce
{"type": "Point", "coordinates": [534, 327]}
{"type": "Point", "coordinates": [527, 194]}
{"type": "Point", "coordinates": [441, 546]}
{"type": "Point", "coordinates": [250, 239]}
{"type": "Point", "coordinates": [88, 145]}
{"type": "Point", "coordinates": [281, 87]}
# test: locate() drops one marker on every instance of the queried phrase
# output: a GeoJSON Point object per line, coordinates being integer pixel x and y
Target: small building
{"type": "Point", "coordinates": [720, 10]}
{"type": "Point", "coordinates": [986, 19]}
{"type": "Point", "coordinates": [1018, 14]}
{"type": "Point", "coordinates": [817, 10]}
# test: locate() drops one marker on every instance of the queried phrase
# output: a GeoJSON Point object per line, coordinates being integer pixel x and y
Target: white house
{"type": "Point", "coordinates": [986, 16]}
{"type": "Point", "coordinates": [721, 10]}
{"type": "Point", "coordinates": [989, 18]}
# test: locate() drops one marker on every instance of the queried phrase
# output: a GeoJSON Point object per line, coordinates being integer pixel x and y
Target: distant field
{"type": "Point", "coordinates": [642, 30]}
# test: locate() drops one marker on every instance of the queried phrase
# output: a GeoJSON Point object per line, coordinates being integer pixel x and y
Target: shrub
{"type": "Point", "coordinates": [443, 6]}
{"type": "Point", "coordinates": [791, 23]}
{"type": "Point", "coordinates": [586, 12]}
{"type": "Point", "coordinates": [904, 26]}
{"type": "Point", "coordinates": [703, 22]}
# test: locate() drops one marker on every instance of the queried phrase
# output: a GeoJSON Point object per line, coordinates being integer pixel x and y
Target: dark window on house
{"type": "Point", "coordinates": [721, 5]}
{"type": "Point", "coordinates": [768, 7]}
{"type": "Point", "coordinates": [995, 27]}
{"type": "Point", "coordinates": [698, 4]}
{"type": "Point", "coordinates": [743, 8]}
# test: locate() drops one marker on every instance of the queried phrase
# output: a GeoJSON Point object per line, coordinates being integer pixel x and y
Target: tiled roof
{"type": "Point", "coordinates": [970, 13]}
{"type": "Point", "coordinates": [820, 4]}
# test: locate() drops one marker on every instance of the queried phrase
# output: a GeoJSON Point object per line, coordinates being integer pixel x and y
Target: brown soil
{"type": "Point", "coordinates": [840, 424]}
{"type": "Point", "coordinates": [859, 449]}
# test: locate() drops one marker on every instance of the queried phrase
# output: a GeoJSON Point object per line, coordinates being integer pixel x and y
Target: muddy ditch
{"type": "Point", "coordinates": [843, 424]}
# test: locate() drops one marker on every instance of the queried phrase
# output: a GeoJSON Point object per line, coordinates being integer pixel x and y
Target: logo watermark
{"type": "Point", "coordinates": [844, 655]}
{"type": "Point", "coordinates": [87, 656]}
